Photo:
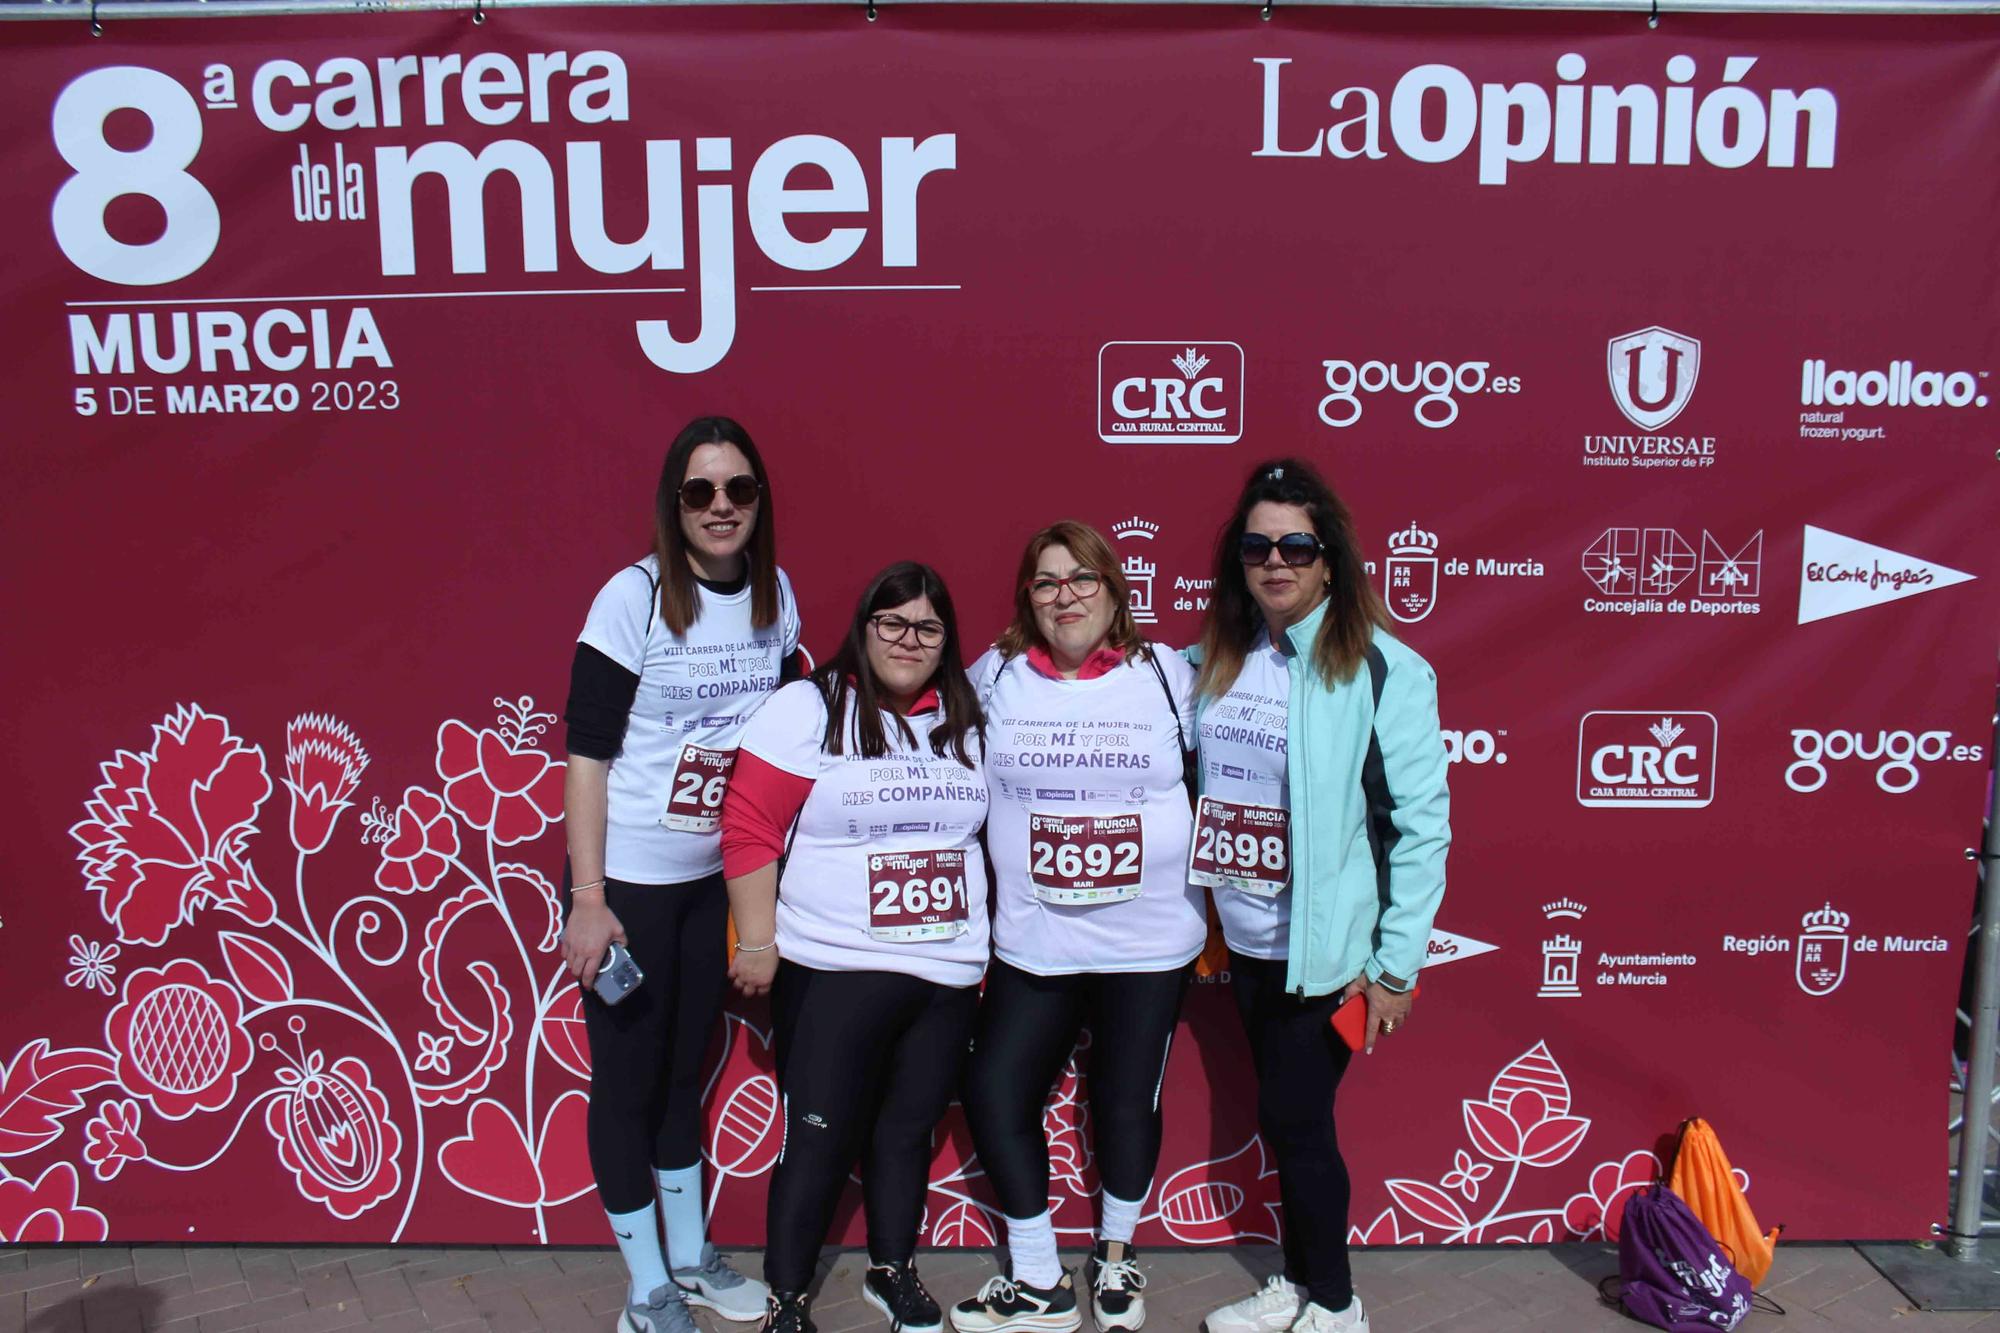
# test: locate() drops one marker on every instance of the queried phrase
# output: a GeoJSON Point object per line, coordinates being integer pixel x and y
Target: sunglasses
{"type": "Point", "coordinates": [698, 493]}
{"type": "Point", "coordinates": [1294, 548]}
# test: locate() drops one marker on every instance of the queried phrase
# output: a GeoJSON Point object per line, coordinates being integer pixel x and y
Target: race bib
{"type": "Point", "coordinates": [917, 896]}
{"type": "Point", "coordinates": [694, 797]}
{"type": "Point", "coordinates": [1239, 846]}
{"type": "Point", "coordinates": [1080, 859]}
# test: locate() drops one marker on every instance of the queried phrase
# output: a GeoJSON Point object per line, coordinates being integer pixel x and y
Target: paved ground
{"type": "Point", "coordinates": [116, 1289]}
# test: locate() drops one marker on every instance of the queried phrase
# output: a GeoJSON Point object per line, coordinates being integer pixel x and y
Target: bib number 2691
{"type": "Point", "coordinates": [1075, 860]}
{"type": "Point", "coordinates": [694, 798]}
{"type": "Point", "coordinates": [917, 896]}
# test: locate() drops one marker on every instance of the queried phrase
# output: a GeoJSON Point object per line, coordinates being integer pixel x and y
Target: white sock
{"type": "Point", "coordinates": [1031, 1250]}
{"type": "Point", "coordinates": [680, 1205]}
{"type": "Point", "coordinates": [638, 1236]}
{"type": "Point", "coordinates": [1120, 1217]}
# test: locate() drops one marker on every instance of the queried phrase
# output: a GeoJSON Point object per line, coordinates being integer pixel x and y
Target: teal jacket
{"type": "Point", "coordinates": [1371, 816]}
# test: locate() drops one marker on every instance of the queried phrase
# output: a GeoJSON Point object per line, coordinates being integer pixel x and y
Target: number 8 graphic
{"type": "Point", "coordinates": [157, 171]}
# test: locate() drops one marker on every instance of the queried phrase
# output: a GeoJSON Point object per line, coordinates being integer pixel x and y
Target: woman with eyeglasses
{"type": "Point", "coordinates": [677, 652]}
{"type": "Point", "coordinates": [1094, 923]}
{"type": "Point", "coordinates": [868, 780]}
{"type": "Point", "coordinates": [1326, 873]}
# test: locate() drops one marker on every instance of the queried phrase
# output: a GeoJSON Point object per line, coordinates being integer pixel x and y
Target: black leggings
{"type": "Point", "coordinates": [1300, 1059]}
{"type": "Point", "coordinates": [646, 1051]}
{"type": "Point", "coordinates": [866, 1063]}
{"type": "Point", "coordinates": [1027, 1027]}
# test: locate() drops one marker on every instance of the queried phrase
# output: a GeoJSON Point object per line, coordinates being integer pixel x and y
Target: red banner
{"type": "Point", "coordinates": [1655, 364]}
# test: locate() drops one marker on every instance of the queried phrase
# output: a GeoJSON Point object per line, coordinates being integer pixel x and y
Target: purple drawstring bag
{"type": "Point", "coordinates": [1672, 1273]}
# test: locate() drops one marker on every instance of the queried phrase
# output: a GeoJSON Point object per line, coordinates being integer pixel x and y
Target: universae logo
{"type": "Point", "coordinates": [1651, 757]}
{"type": "Point", "coordinates": [1184, 391]}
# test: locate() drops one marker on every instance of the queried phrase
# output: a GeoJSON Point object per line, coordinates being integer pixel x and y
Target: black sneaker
{"type": "Point", "coordinates": [897, 1291]}
{"type": "Point", "coordinates": [1004, 1304]}
{"type": "Point", "coordinates": [786, 1313]}
{"type": "Point", "coordinates": [1115, 1284]}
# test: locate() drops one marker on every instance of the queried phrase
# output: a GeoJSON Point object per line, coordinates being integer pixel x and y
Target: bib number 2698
{"type": "Point", "coordinates": [1241, 846]}
{"type": "Point", "coordinates": [1075, 860]}
{"type": "Point", "coordinates": [694, 798]}
{"type": "Point", "coordinates": [917, 896]}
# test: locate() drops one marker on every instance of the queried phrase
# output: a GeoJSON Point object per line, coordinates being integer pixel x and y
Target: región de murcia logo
{"type": "Point", "coordinates": [1152, 591]}
{"type": "Point", "coordinates": [1411, 575]}
{"type": "Point", "coordinates": [1824, 947]}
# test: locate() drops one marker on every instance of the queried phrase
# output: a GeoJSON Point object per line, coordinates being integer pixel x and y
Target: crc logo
{"type": "Point", "coordinates": [1652, 374]}
{"type": "Point", "coordinates": [1474, 747]}
{"type": "Point", "coordinates": [1895, 754]}
{"type": "Point", "coordinates": [1170, 392]}
{"type": "Point", "coordinates": [1660, 757]}
{"type": "Point", "coordinates": [1438, 381]}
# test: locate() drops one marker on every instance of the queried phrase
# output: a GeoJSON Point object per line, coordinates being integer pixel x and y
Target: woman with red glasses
{"type": "Point", "coordinates": [868, 781]}
{"type": "Point", "coordinates": [1094, 923]}
{"type": "Point", "coordinates": [676, 654]}
{"type": "Point", "coordinates": [1327, 873]}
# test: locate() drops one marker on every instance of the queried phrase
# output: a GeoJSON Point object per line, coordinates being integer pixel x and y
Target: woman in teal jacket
{"type": "Point", "coordinates": [1322, 833]}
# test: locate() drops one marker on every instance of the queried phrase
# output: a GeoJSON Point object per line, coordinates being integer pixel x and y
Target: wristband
{"type": "Point", "coordinates": [755, 948]}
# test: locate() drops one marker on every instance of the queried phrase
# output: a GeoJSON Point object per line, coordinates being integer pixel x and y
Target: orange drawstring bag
{"type": "Point", "coordinates": [1703, 1177]}
{"type": "Point", "coordinates": [1214, 959]}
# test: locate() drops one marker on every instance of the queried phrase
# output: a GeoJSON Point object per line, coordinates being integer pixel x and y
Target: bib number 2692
{"type": "Point", "coordinates": [917, 896]}
{"type": "Point", "coordinates": [694, 798]}
{"type": "Point", "coordinates": [1076, 860]}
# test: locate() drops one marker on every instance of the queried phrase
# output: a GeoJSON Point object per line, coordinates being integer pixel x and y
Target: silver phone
{"type": "Point", "coordinates": [617, 976]}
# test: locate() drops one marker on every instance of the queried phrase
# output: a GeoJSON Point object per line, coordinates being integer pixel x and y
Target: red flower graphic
{"type": "Point", "coordinates": [418, 852]}
{"type": "Point", "coordinates": [323, 765]}
{"type": "Point", "coordinates": [165, 831]}
{"type": "Point", "coordinates": [333, 1131]}
{"type": "Point", "coordinates": [179, 1038]}
{"type": "Point", "coordinates": [1602, 1206]}
{"type": "Point", "coordinates": [1384, 1230]}
{"type": "Point", "coordinates": [47, 1211]}
{"type": "Point", "coordinates": [498, 781]}
{"type": "Point", "coordinates": [111, 1139]}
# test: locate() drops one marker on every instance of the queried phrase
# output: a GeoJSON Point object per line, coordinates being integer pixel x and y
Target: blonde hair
{"type": "Point", "coordinates": [1093, 553]}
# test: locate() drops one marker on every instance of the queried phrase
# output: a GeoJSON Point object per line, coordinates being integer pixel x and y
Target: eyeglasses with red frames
{"type": "Point", "coordinates": [1083, 586]}
{"type": "Point", "coordinates": [698, 493]}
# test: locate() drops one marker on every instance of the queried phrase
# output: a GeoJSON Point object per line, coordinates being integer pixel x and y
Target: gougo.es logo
{"type": "Point", "coordinates": [1896, 755]}
{"type": "Point", "coordinates": [1437, 382]}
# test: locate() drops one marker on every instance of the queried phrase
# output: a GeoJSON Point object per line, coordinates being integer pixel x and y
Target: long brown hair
{"type": "Point", "coordinates": [1092, 552]}
{"type": "Point", "coordinates": [1354, 610]}
{"type": "Point", "coordinates": [679, 605]}
{"type": "Point", "coordinates": [848, 673]}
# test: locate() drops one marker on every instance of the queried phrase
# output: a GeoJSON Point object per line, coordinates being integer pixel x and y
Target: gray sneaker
{"type": "Point", "coordinates": [718, 1287]}
{"type": "Point", "coordinates": [663, 1312]}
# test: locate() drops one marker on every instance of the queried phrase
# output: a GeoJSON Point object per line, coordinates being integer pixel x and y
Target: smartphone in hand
{"type": "Point", "coordinates": [1351, 1020]}
{"type": "Point", "coordinates": [617, 976]}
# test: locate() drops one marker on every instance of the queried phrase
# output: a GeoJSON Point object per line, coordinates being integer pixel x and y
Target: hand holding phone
{"type": "Point", "coordinates": [617, 976]}
{"type": "Point", "coordinates": [1350, 1020]}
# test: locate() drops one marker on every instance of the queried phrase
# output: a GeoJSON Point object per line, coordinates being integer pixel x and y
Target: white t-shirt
{"type": "Point", "coordinates": [885, 872]}
{"type": "Point", "coordinates": [1247, 800]}
{"type": "Point", "coordinates": [1089, 826]}
{"type": "Point", "coordinates": [695, 693]}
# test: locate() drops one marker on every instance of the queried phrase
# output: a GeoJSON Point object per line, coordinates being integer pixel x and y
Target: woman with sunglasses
{"type": "Point", "coordinates": [1094, 923]}
{"type": "Point", "coordinates": [677, 652]}
{"type": "Point", "coordinates": [1326, 875]}
{"type": "Point", "coordinates": [868, 780]}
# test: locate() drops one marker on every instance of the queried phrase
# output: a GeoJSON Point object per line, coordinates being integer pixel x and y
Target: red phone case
{"type": "Point", "coordinates": [1351, 1019]}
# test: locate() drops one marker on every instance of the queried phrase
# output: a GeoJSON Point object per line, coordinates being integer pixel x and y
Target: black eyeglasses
{"type": "Point", "coordinates": [894, 629]}
{"type": "Point", "coordinates": [698, 493]}
{"type": "Point", "coordinates": [1294, 548]}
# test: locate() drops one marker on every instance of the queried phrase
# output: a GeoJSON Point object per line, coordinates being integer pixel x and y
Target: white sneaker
{"type": "Point", "coordinates": [1316, 1318]}
{"type": "Point", "coordinates": [1271, 1310]}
